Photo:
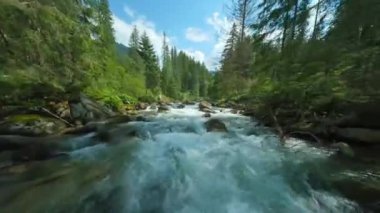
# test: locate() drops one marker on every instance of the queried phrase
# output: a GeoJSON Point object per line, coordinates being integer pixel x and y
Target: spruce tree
{"type": "Point", "coordinates": [152, 70]}
{"type": "Point", "coordinates": [134, 40]}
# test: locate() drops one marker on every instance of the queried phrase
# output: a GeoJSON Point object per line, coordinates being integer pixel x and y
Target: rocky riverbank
{"type": "Point", "coordinates": [44, 131]}
{"type": "Point", "coordinates": [351, 122]}
{"type": "Point", "coordinates": [99, 126]}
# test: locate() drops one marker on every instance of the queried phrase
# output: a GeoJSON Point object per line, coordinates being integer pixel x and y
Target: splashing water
{"type": "Point", "coordinates": [177, 166]}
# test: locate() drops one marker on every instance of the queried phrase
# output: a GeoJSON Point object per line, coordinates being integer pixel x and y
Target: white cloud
{"type": "Point", "coordinates": [196, 35]}
{"type": "Point", "coordinates": [221, 26]}
{"type": "Point", "coordinates": [196, 54]}
{"type": "Point", "coordinates": [124, 29]}
{"type": "Point", "coordinates": [129, 11]}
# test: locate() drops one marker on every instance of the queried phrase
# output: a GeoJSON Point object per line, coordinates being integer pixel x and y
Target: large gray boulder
{"type": "Point", "coordinates": [205, 106]}
{"type": "Point", "coordinates": [84, 109]}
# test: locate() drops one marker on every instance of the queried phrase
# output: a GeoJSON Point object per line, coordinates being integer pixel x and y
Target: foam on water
{"type": "Point", "coordinates": [196, 171]}
{"type": "Point", "coordinates": [176, 166]}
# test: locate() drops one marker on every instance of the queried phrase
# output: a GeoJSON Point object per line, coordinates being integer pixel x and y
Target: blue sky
{"type": "Point", "coordinates": [195, 26]}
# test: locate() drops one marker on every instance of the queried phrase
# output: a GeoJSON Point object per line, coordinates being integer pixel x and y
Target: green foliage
{"type": "Point", "coordinates": [49, 48]}
{"type": "Point", "coordinates": [287, 68]}
{"type": "Point", "coordinates": [148, 98]}
{"type": "Point", "coordinates": [111, 98]}
{"type": "Point", "coordinates": [152, 70]}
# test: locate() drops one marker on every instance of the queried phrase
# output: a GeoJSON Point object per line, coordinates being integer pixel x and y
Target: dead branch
{"type": "Point", "coordinates": [56, 116]}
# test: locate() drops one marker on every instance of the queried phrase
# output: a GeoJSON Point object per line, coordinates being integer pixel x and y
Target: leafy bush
{"type": "Point", "coordinates": [148, 98]}
{"type": "Point", "coordinates": [114, 102]}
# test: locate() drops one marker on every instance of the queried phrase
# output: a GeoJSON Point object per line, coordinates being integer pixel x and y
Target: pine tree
{"type": "Point", "coordinates": [152, 70]}
{"type": "Point", "coordinates": [134, 40]}
{"type": "Point", "coordinates": [231, 44]}
{"type": "Point", "coordinates": [106, 32]}
{"type": "Point", "coordinates": [167, 72]}
{"type": "Point", "coordinates": [242, 12]}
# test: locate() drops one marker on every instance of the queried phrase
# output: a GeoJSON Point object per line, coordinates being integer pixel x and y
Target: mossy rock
{"type": "Point", "coordinates": [31, 125]}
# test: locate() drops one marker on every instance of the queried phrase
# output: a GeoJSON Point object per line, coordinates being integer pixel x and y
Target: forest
{"type": "Point", "coordinates": [285, 121]}
{"type": "Point", "coordinates": [293, 64]}
{"type": "Point", "coordinates": [302, 61]}
{"type": "Point", "coordinates": [68, 46]}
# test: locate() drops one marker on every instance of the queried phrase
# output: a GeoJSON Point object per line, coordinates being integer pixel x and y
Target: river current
{"type": "Point", "coordinates": [172, 164]}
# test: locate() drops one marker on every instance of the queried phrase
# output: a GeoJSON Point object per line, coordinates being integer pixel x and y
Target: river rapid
{"type": "Point", "coordinates": [172, 164]}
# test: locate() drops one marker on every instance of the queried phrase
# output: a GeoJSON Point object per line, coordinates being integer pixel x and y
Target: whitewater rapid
{"type": "Point", "coordinates": [174, 165]}
{"type": "Point", "coordinates": [183, 168]}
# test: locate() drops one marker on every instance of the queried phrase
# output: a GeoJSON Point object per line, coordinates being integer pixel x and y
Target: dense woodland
{"type": "Point", "coordinates": [53, 48]}
{"type": "Point", "coordinates": [301, 54]}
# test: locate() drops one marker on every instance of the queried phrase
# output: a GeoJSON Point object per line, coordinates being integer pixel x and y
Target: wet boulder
{"type": "Point", "coordinates": [344, 149]}
{"type": "Point", "coordinates": [154, 107]}
{"type": "Point", "coordinates": [207, 115]}
{"type": "Point", "coordinates": [235, 111]}
{"type": "Point", "coordinates": [141, 106]}
{"type": "Point", "coordinates": [163, 108]}
{"type": "Point", "coordinates": [31, 125]}
{"type": "Point", "coordinates": [181, 106]}
{"type": "Point", "coordinates": [84, 109]}
{"type": "Point", "coordinates": [205, 106]}
{"type": "Point", "coordinates": [215, 125]}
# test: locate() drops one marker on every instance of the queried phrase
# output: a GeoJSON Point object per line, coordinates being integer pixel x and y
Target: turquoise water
{"type": "Point", "coordinates": [174, 165]}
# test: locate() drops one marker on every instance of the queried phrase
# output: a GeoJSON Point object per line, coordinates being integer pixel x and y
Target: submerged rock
{"type": "Point", "coordinates": [215, 125]}
{"type": "Point", "coordinates": [207, 115]}
{"type": "Point", "coordinates": [181, 106]}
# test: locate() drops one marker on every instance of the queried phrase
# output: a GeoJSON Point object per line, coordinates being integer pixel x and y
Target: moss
{"type": "Point", "coordinates": [24, 118]}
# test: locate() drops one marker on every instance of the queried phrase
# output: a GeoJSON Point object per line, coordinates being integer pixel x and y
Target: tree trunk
{"type": "Point", "coordinates": [314, 36]}
{"type": "Point", "coordinates": [295, 16]}
{"type": "Point", "coordinates": [243, 21]}
{"type": "Point", "coordinates": [285, 28]}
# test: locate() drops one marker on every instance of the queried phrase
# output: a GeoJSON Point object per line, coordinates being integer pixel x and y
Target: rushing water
{"type": "Point", "coordinates": [175, 165]}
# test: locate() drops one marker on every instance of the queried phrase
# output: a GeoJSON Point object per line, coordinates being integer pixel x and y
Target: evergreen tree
{"type": "Point", "coordinates": [242, 12]}
{"type": "Point", "coordinates": [167, 72]}
{"type": "Point", "coordinates": [152, 70]}
{"type": "Point", "coordinates": [106, 33]}
{"type": "Point", "coordinates": [134, 40]}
